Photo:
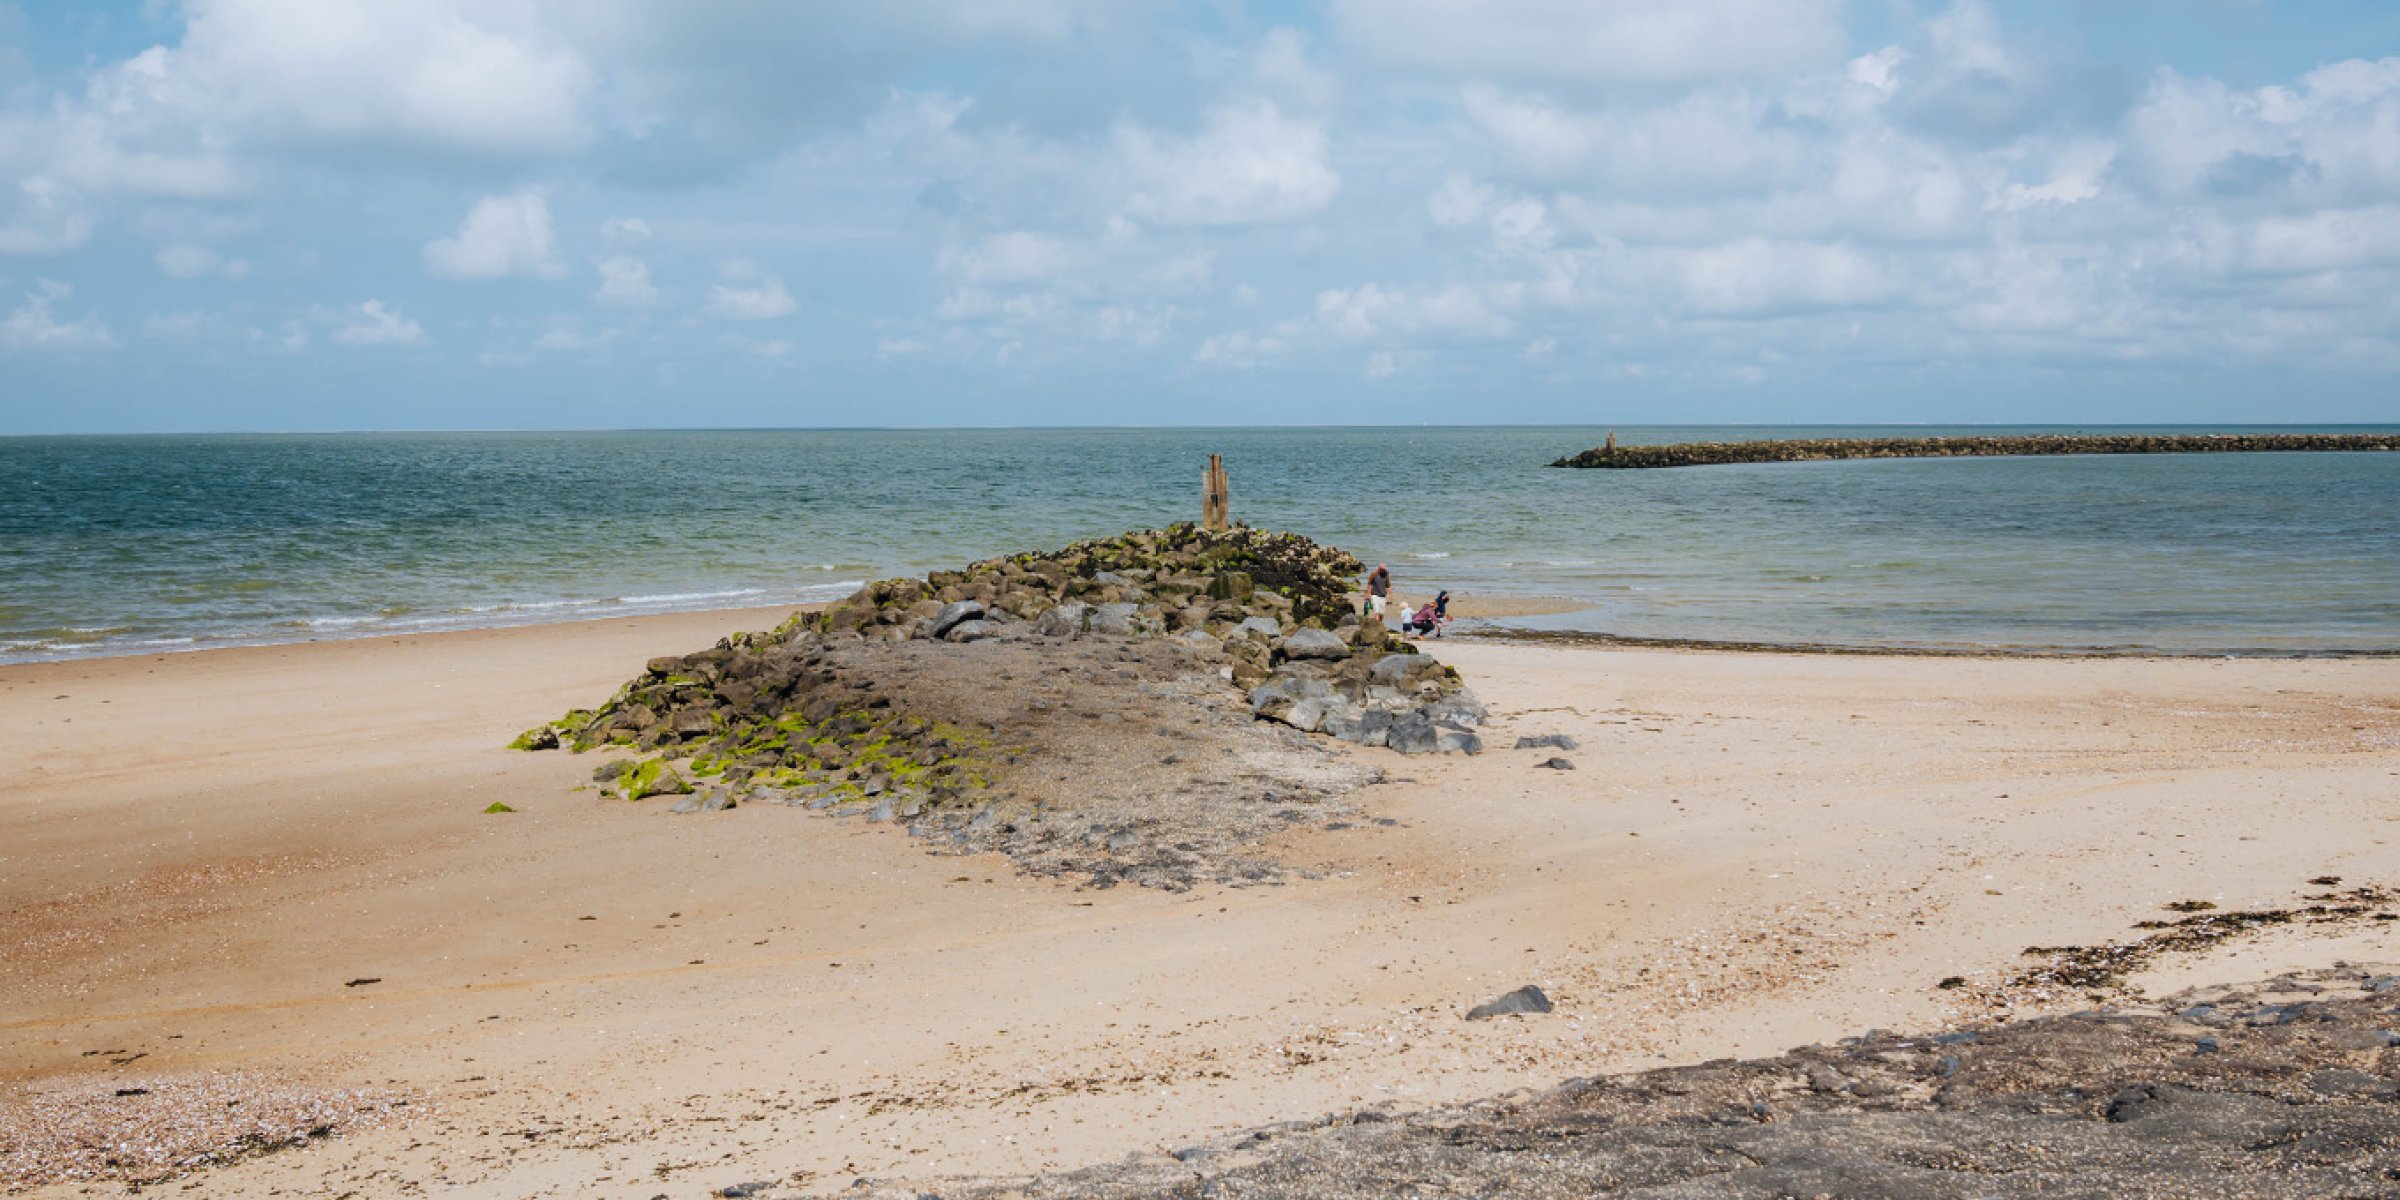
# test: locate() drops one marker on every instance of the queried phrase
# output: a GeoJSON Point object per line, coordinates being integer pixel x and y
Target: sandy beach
{"type": "Point", "coordinates": [273, 865]}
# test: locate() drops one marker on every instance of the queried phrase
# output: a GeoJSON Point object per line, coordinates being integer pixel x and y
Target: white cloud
{"type": "Point", "coordinates": [458, 76]}
{"type": "Point", "coordinates": [182, 260]}
{"type": "Point", "coordinates": [1015, 257]}
{"type": "Point", "coordinates": [625, 283]}
{"type": "Point", "coordinates": [1759, 277]}
{"type": "Point", "coordinates": [1244, 351]}
{"type": "Point", "coordinates": [33, 327]}
{"type": "Point", "coordinates": [46, 219]}
{"type": "Point", "coordinates": [1633, 40]}
{"type": "Point", "coordinates": [1249, 164]}
{"type": "Point", "coordinates": [2327, 241]}
{"type": "Point", "coordinates": [371, 323]}
{"type": "Point", "coordinates": [1368, 310]}
{"type": "Point", "coordinates": [502, 237]}
{"type": "Point", "coordinates": [1381, 365]}
{"type": "Point", "coordinates": [750, 295]}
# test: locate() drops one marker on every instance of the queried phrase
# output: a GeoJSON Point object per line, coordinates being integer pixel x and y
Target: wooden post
{"type": "Point", "coordinates": [1612, 442]}
{"type": "Point", "coordinates": [1216, 497]}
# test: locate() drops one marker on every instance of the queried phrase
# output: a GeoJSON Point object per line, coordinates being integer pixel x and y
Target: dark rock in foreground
{"type": "Point", "coordinates": [1696, 454]}
{"type": "Point", "coordinates": [2134, 1103]}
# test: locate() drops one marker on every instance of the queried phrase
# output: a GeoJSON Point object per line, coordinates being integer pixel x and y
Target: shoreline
{"type": "Point", "coordinates": [1468, 608]}
{"type": "Point", "coordinates": [1589, 639]}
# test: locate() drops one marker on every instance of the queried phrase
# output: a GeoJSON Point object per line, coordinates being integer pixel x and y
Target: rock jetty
{"type": "Point", "coordinates": [1701, 454]}
{"type": "Point", "coordinates": [1127, 708]}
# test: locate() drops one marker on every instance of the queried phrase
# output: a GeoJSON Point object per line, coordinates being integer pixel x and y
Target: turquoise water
{"type": "Point", "coordinates": [139, 544]}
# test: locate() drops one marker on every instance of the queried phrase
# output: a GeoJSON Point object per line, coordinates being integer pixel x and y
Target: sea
{"type": "Point", "coordinates": [149, 544]}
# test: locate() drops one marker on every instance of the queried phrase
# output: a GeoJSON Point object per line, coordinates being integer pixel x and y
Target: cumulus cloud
{"type": "Point", "coordinates": [501, 237]}
{"type": "Point", "coordinates": [625, 283]}
{"type": "Point", "coordinates": [447, 76]}
{"type": "Point", "coordinates": [371, 323]}
{"type": "Point", "coordinates": [1365, 311]}
{"type": "Point", "coordinates": [182, 260]}
{"type": "Point", "coordinates": [1015, 257]}
{"type": "Point", "coordinates": [1627, 40]}
{"type": "Point", "coordinates": [33, 326]}
{"type": "Point", "coordinates": [1249, 163]}
{"type": "Point", "coordinates": [45, 219]}
{"type": "Point", "coordinates": [750, 294]}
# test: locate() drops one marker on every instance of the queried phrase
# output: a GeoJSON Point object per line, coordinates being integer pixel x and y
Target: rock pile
{"type": "Point", "coordinates": [935, 702]}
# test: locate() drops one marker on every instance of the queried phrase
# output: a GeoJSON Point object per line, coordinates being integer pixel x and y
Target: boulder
{"type": "Point", "coordinates": [955, 614]}
{"type": "Point", "coordinates": [1260, 627]}
{"type": "Point", "coordinates": [1312, 713]}
{"type": "Point", "coordinates": [1117, 618]}
{"type": "Point", "coordinates": [1547, 741]}
{"type": "Point", "coordinates": [1450, 740]}
{"type": "Point", "coordinates": [1273, 700]}
{"type": "Point", "coordinates": [1527, 999]}
{"type": "Point", "coordinates": [1066, 620]}
{"type": "Point", "coordinates": [1414, 733]}
{"type": "Point", "coordinates": [970, 631]}
{"type": "Point", "coordinates": [1458, 708]}
{"type": "Point", "coordinates": [1401, 671]}
{"type": "Point", "coordinates": [1315, 644]}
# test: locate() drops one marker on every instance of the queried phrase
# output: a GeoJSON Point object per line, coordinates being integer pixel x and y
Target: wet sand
{"type": "Point", "coordinates": [200, 853]}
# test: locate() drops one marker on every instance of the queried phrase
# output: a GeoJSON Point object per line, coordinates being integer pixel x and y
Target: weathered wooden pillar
{"type": "Point", "coordinates": [1612, 442]}
{"type": "Point", "coordinates": [1216, 497]}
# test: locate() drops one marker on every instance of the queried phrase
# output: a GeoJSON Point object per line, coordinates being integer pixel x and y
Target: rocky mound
{"type": "Point", "coordinates": [2289, 1088]}
{"type": "Point", "coordinates": [1120, 708]}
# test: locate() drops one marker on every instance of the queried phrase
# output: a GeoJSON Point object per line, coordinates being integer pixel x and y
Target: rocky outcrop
{"type": "Point", "coordinates": [1695, 454]}
{"type": "Point", "coordinates": [961, 703]}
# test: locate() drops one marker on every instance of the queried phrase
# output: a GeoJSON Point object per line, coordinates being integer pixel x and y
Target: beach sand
{"type": "Point", "coordinates": [202, 855]}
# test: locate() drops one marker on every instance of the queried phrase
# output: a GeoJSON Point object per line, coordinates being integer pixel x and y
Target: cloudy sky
{"type": "Point", "coordinates": [331, 214]}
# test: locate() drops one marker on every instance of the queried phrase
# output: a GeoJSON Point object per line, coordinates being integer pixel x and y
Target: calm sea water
{"type": "Point", "coordinates": [129, 545]}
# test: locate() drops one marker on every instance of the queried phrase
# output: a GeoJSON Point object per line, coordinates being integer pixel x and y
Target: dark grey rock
{"type": "Point", "coordinates": [1066, 620]}
{"type": "Point", "coordinates": [1527, 999]}
{"type": "Point", "coordinates": [1557, 764]}
{"type": "Point", "coordinates": [1457, 741]}
{"type": "Point", "coordinates": [970, 631]}
{"type": "Point", "coordinates": [1458, 708]}
{"type": "Point", "coordinates": [716, 800]}
{"type": "Point", "coordinates": [1414, 733]}
{"type": "Point", "coordinates": [1401, 670]}
{"type": "Point", "coordinates": [1547, 741]}
{"type": "Point", "coordinates": [1260, 627]}
{"type": "Point", "coordinates": [955, 614]}
{"type": "Point", "coordinates": [1315, 644]}
{"type": "Point", "coordinates": [1119, 618]}
{"type": "Point", "coordinates": [1274, 699]}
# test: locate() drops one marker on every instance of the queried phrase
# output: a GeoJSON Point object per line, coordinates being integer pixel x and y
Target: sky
{"type": "Point", "coordinates": [456, 214]}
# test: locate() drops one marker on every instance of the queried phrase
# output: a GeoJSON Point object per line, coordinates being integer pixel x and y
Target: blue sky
{"type": "Point", "coordinates": [343, 214]}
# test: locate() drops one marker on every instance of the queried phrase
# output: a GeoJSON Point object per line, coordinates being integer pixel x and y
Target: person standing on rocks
{"type": "Point", "coordinates": [1379, 590]}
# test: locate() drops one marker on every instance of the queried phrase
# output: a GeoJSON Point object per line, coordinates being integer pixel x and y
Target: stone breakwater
{"type": "Point", "coordinates": [1129, 708]}
{"type": "Point", "coordinates": [1702, 454]}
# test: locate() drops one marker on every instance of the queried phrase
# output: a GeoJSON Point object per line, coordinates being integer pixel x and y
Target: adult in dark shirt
{"type": "Point", "coordinates": [1379, 589]}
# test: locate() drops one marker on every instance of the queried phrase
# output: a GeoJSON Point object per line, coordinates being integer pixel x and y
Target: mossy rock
{"type": "Point", "coordinates": [653, 777]}
{"type": "Point", "coordinates": [497, 807]}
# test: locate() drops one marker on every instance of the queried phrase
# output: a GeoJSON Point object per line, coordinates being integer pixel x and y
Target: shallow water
{"type": "Point", "coordinates": [125, 545]}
